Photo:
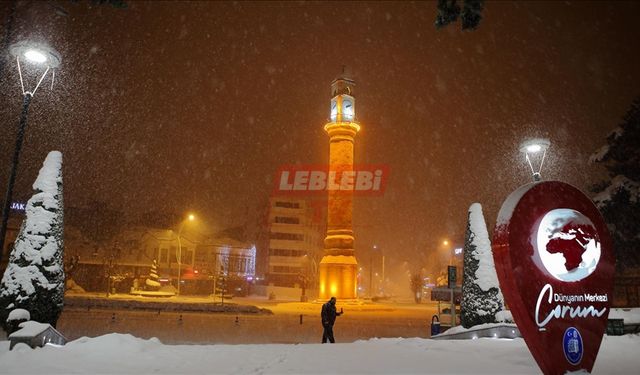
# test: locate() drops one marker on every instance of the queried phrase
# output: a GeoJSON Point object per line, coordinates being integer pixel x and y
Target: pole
{"type": "Point", "coordinates": [179, 259]}
{"type": "Point", "coordinates": [108, 280]}
{"type": "Point", "coordinates": [383, 279]}
{"type": "Point", "coordinates": [371, 275]}
{"type": "Point", "coordinates": [14, 167]}
{"type": "Point", "coordinates": [224, 284]}
{"type": "Point", "coordinates": [215, 275]}
{"type": "Point", "coordinates": [453, 308]}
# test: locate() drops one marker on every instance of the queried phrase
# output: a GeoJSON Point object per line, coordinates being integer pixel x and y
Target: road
{"type": "Point", "coordinates": [282, 327]}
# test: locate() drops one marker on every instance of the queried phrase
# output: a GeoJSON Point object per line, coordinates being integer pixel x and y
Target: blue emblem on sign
{"type": "Point", "coordinates": [572, 345]}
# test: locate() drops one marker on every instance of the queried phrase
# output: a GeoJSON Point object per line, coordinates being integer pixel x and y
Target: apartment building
{"type": "Point", "coordinates": [296, 228]}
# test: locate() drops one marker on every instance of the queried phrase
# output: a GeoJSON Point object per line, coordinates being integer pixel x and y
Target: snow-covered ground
{"type": "Point", "coordinates": [125, 354]}
{"type": "Point", "coordinates": [630, 316]}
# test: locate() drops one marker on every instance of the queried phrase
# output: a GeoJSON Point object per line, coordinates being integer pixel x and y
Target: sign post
{"type": "Point", "coordinates": [554, 260]}
{"type": "Point", "coordinates": [451, 277]}
{"type": "Point", "coordinates": [444, 295]}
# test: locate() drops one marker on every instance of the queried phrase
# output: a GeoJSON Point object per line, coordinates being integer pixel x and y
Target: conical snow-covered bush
{"type": "Point", "coordinates": [481, 295]}
{"type": "Point", "coordinates": [34, 278]}
{"type": "Point", "coordinates": [153, 281]}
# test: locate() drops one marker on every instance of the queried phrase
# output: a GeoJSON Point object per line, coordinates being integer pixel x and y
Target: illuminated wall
{"type": "Point", "coordinates": [338, 277]}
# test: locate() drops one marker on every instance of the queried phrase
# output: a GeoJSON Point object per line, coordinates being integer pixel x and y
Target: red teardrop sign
{"type": "Point", "coordinates": [555, 264]}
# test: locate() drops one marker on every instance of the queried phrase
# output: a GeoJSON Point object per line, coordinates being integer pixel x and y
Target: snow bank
{"type": "Point", "coordinates": [630, 316]}
{"type": "Point", "coordinates": [504, 316]}
{"type": "Point", "coordinates": [125, 354]}
{"type": "Point", "coordinates": [460, 329]}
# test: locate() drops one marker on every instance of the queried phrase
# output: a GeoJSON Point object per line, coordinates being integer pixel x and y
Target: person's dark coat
{"type": "Point", "coordinates": [329, 313]}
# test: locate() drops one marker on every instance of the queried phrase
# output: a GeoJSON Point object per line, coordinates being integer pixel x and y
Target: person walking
{"type": "Point", "coordinates": [328, 316]}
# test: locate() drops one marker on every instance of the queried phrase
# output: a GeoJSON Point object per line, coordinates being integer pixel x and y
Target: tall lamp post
{"type": "Point", "coordinates": [191, 217]}
{"type": "Point", "coordinates": [445, 244]}
{"type": "Point", "coordinates": [34, 55]}
{"type": "Point", "coordinates": [371, 272]}
{"type": "Point", "coordinates": [380, 285]}
{"type": "Point", "coordinates": [535, 149]}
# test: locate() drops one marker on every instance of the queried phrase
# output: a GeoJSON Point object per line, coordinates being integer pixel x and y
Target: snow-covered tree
{"type": "Point", "coordinates": [449, 11]}
{"type": "Point", "coordinates": [34, 278]}
{"type": "Point", "coordinates": [221, 284]}
{"type": "Point", "coordinates": [153, 281]}
{"type": "Point", "coordinates": [416, 283]}
{"type": "Point", "coordinates": [619, 198]}
{"type": "Point", "coordinates": [481, 295]}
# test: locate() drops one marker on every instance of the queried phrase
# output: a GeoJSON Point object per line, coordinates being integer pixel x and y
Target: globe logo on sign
{"type": "Point", "coordinates": [567, 244]}
{"type": "Point", "coordinates": [572, 345]}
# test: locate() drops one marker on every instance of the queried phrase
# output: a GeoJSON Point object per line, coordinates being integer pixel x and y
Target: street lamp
{"type": "Point", "coordinates": [35, 55]}
{"type": "Point", "coordinates": [190, 217]}
{"type": "Point", "coordinates": [535, 147]}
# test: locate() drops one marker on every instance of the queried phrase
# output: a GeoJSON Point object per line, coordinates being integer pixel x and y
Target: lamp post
{"type": "Point", "coordinates": [34, 55]}
{"type": "Point", "coordinates": [191, 217]}
{"type": "Point", "coordinates": [384, 281]}
{"type": "Point", "coordinates": [445, 244]}
{"type": "Point", "coordinates": [371, 272]}
{"type": "Point", "coordinates": [535, 147]}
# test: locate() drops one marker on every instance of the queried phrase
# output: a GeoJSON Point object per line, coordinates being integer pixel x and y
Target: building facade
{"type": "Point", "coordinates": [295, 242]}
{"type": "Point", "coordinates": [193, 260]}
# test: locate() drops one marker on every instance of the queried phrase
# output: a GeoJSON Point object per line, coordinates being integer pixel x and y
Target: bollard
{"type": "Point", "coordinates": [435, 325]}
{"type": "Point", "coordinates": [237, 321]}
{"type": "Point", "coordinates": [113, 318]}
{"type": "Point", "coordinates": [180, 319]}
{"type": "Point", "coordinates": [300, 318]}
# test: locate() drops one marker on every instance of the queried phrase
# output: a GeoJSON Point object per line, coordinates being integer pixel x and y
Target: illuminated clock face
{"type": "Point", "coordinates": [347, 109]}
{"type": "Point", "coordinates": [334, 110]}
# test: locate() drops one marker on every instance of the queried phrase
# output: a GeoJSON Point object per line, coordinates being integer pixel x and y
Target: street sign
{"type": "Point", "coordinates": [444, 294]}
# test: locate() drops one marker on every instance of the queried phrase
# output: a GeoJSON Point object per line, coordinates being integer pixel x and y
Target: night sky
{"type": "Point", "coordinates": [177, 106]}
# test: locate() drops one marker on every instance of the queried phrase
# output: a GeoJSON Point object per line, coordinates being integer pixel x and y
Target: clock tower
{"type": "Point", "coordinates": [338, 267]}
